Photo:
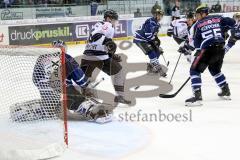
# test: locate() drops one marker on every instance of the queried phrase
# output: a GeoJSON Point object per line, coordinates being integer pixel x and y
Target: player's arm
{"type": "Point", "coordinates": [170, 30]}
{"type": "Point", "coordinates": [197, 39]}
{"type": "Point", "coordinates": [111, 49]}
{"type": "Point", "coordinates": [75, 73]}
{"type": "Point", "coordinates": [227, 23]}
{"type": "Point", "coordinates": [151, 31]}
{"type": "Point", "coordinates": [108, 30]}
{"type": "Point", "coordinates": [235, 36]}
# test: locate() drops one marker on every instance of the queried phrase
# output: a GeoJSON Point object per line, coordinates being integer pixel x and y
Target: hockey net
{"type": "Point", "coordinates": [31, 103]}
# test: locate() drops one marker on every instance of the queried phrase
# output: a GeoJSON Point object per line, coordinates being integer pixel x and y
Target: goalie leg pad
{"type": "Point", "coordinates": [33, 110]}
{"type": "Point", "coordinates": [96, 112]}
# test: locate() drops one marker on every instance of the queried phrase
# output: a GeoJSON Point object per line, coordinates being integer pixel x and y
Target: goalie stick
{"type": "Point", "coordinates": [174, 94]}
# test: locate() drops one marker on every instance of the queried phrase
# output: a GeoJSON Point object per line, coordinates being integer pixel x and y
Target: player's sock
{"type": "Point", "coordinates": [196, 80]}
{"type": "Point", "coordinates": [118, 81]}
{"type": "Point", "coordinates": [220, 79]}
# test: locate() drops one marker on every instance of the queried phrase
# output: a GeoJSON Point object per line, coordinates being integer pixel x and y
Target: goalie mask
{"type": "Point", "coordinates": [59, 44]}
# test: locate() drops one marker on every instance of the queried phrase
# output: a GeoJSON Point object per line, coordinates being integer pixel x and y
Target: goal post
{"type": "Point", "coordinates": [32, 103]}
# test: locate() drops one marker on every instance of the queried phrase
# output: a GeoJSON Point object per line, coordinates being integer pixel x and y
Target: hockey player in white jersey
{"type": "Point", "coordinates": [79, 106]}
{"type": "Point", "coordinates": [100, 53]}
{"type": "Point", "coordinates": [179, 29]}
{"type": "Point", "coordinates": [235, 33]}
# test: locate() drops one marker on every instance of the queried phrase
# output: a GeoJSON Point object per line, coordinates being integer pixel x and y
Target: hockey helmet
{"type": "Point", "coordinates": [236, 16]}
{"type": "Point", "coordinates": [59, 44]}
{"type": "Point", "coordinates": [190, 15]}
{"type": "Point", "coordinates": [157, 10]}
{"type": "Point", "coordinates": [203, 8]}
{"type": "Point", "coordinates": [111, 14]}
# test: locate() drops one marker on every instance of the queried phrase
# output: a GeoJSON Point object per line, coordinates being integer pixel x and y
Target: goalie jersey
{"type": "Point", "coordinates": [95, 48]}
{"type": "Point", "coordinates": [47, 69]}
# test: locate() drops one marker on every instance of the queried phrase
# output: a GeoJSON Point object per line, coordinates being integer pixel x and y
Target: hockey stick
{"type": "Point", "coordinates": [97, 83]}
{"type": "Point", "coordinates": [174, 94]}
{"type": "Point", "coordinates": [175, 68]}
{"type": "Point", "coordinates": [166, 62]}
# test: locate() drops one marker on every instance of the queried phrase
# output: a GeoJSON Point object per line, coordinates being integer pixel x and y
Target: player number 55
{"type": "Point", "coordinates": [212, 33]}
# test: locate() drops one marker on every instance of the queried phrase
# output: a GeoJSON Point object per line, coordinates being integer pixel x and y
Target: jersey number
{"type": "Point", "coordinates": [212, 33]}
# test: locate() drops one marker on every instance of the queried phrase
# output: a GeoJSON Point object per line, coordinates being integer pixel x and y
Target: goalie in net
{"type": "Point", "coordinates": [46, 79]}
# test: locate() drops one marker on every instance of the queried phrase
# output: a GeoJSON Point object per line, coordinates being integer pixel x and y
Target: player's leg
{"type": "Point", "coordinates": [74, 98]}
{"type": "Point", "coordinates": [153, 55]}
{"type": "Point", "coordinates": [114, 69]}
{"type": "Point", "coordinates": [220, 79]}
{"type": "Point", "coordinates": [89, 66]}
{"type": "Point", "coordinates": [198, 66]}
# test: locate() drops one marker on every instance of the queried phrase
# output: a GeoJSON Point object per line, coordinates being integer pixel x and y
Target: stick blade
{"type": "Point", "coordinates": [167, 95]}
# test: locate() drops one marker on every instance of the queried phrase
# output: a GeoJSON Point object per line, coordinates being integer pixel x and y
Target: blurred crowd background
{"type": "Point", "coordinates": [137, 7]}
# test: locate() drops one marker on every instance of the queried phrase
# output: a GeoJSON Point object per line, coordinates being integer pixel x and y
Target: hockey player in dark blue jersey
{"type": "Point", "coordinates": [235, 33]}
{"type": "Point", "coordinates": [147, 40]}
{"type": "Point", "coordinates": [209, 43]}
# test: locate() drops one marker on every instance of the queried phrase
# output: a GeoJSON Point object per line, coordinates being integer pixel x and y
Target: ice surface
{"type": "Point", "coordinates": [213, 133]}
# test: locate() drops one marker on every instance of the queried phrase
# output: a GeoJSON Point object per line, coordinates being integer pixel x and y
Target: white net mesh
{"type": "Point", "coordinates": [30, 103]}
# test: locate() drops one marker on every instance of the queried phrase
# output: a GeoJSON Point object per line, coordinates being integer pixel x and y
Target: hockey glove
{"type": "Point", "coordinates": [157, 41]}
{"type": "Point", "coordinates": [185, 49]}
{"type": "Point", "coordinates": [117, 58]}
{"type": "Point", "coordinates": [235, 33]}
{"type": "Point", "coordinates": [111, 47]}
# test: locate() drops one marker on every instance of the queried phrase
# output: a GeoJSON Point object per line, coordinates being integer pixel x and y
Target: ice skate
{"type": "Point", "coordinates": [156, 69]}
{"type": "Point", "coordinates": [121, 99]}
{"type": "Point", "coordinates": [196, 100]}
{"type": "Point", "coordinates": [225, 93]}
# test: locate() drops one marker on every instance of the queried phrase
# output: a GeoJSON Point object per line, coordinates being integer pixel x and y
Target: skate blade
{"type": "Point", "coordinates": [193, 104]}
{"type": "Point", "coordinates": [226, 98]}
